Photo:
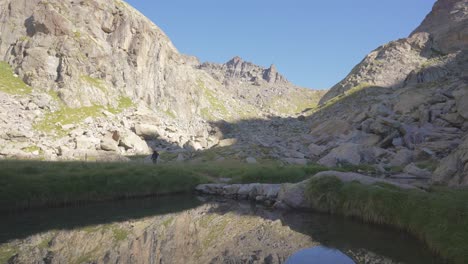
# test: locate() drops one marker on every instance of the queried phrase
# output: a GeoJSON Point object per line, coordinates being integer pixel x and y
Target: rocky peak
{"type": "Point", "coordinates": [271, 75]}
{"type": "Point", "coordinates": [237, 69]}
{"type": "Point", "coordinates": [448, 25]}
{"type": "Point", "coordinates": [444, 31]}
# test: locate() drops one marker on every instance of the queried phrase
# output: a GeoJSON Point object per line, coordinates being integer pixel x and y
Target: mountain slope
{"type": "Point", "coordinates": [403, 108]}
{"type": "Point", "coordinates": [96, 57]}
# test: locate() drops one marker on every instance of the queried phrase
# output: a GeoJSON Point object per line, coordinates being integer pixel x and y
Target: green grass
{"type": "Point", "coordinates": [217, 106]}
{"type": "Point", "coordinates": [11, 84]}
{"type": "Point", "coordinates": [66, 116]}
{"type": "Point", "coordinates": [122, 103]}
{"type": "Point", "coordinates": [32, 149]}
{"type": "Point", "coordinates": [119, 234]}
{"type": "Point", "coordinates": [25, 184]}
{"type": "Point", "coordinates": [438, 217]}
{"type": "Point", "coordinates": [6, 252]}
{"type": "Point", "coordinates": [98, 83]}
{"type": "Point", "coordinates": [170, 114]}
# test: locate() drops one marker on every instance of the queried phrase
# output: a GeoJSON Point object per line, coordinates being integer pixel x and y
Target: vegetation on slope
{"type": "Point", "coordinates": [11, 84]}
{"type": "Point", "coordinates": [53, 121]}
{"type": "Point", "coordinates": [439, 217]}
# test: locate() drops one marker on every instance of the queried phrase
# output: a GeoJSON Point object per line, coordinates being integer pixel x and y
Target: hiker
{"type": "Point", "coordinates": [155, 156]}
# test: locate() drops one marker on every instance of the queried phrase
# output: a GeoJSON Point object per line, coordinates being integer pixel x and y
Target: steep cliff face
{"type": "Point", "coordinates": [104, 60]}
{"type": "Point", "coordinates": [404, 106]}
{"type": "Point", "coordinates": [447, 25]}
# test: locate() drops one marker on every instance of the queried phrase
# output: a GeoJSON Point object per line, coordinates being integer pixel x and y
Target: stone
{"type": "Point", "coordinates": [251, 160]}
{"type": "Point", "coordinates": [412, 169]}
{"type": "Point", "coordinates": [296, 161]}
{"type": "Point", "coordinates": [147, 131]}
{"type": "Point", "coordinates": [109, 144]}
{"type": "Point", "coordinates": [461, 98]}
{"type": "Point", "coordinates": [316, 150]}
{"type": "Point", "coordinates": [68, 126]}
{"type": "Point", "coordinates": [130, 141]}
{"type": "Point", "coordinates": [180, 157]}
{"type": "Point", "coordinates": [293, 196]}
{"type": "Point", "coordinates": [227, 142]}
{"type": "Point", "coordinates": [86, 143]}
{"type": "Point", "coordinates": [353, 154]}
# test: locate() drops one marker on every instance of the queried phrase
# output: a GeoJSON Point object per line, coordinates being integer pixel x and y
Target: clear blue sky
{"type": "Point", "coordinates": [313, 43]}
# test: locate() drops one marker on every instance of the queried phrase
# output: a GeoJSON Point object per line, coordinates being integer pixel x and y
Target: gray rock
{"type": "Point", "coordinates": [130, 141]}
{"type": "Point", "coordinates": [251, 160]}
{"type": "Point", "coordinates": [147, 131]}
{"type": "Point", "coordinates": [86, 143]}
{"type": "Point", "coordinates": [412, 169]}
{"type": "Point", "coordinates": [109, 144]}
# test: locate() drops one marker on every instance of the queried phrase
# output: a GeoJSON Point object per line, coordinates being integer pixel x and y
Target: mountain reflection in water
{"type": "Point", "coordinates": [189, 229]}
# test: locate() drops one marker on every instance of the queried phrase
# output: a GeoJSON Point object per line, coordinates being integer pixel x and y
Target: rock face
{"type": "Point", "coordinates": [122, 73]}
{"type": "Point", "coordinates": [405, 103]}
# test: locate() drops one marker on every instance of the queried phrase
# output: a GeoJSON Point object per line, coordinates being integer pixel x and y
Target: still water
{"type": "Point", "coordinates": [189, 229]}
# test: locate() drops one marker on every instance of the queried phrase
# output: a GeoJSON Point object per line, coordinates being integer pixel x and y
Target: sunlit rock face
{"type": "Point", "coordinates": [120, 72]}
{"type": "Point", "coordinates": [401, 107]}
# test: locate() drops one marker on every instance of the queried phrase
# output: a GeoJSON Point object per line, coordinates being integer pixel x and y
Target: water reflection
{"type": "Point", "coordinates": [187, 229]}
{"type": "Point", "coordinates": [24, 224]}
{"type": "Point", "coordinates": [319, 255]}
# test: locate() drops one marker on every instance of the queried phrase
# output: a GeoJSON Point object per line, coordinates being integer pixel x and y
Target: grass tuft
{"type": "Point", "coordinates": [438, 217]}
{"type": "Point", "coordinates": [11, 84]}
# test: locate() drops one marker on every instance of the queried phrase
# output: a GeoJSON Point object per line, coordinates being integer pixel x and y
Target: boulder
{"type": "Point", "coordinates": [293, 196]}
{"type": "Point", "coordinates": [86, 143]}
{"type": "Point", "coordinates": [350, 153]}
{"type": "Point", "coordinates": [109, 144]}
{"type": "Point", "coordinates": [147, 131]}
{"type": "Point", "coordinates": [296, 161]}
{"type": "Point", "coordinates": [453, 169]}
{"type": "Point", "coordinates": [461, 98]}
{"type": "Point", "coordinates": [227, 142]}
{"type": "Point", "coordinates": [316, 150]}
{"type": "Point", "coordinates": [251, 160]}
{"type": "Point", "coordinates": [130, 141]}
{"type": "Point", "coordinates": [216, 189]}
{"type": "Point", "coordinates": [414, 170]}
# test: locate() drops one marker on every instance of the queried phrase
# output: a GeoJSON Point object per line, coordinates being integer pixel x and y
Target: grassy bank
{"type": "Point", "coordinates": [439, 217]}
{"type": "Point", "coordinates": [26, 184]}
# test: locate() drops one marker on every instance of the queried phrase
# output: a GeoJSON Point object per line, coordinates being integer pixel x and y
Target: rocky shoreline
{"type": "Point", "coordinates": [286, 195]}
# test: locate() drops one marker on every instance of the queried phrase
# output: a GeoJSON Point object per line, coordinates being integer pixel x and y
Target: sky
{"type": "Point", "coordinates": [313, 43]}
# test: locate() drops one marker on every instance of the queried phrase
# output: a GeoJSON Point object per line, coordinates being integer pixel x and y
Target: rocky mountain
{"type": "Point", "coordinates": [404, 106]}
{"type": "Point", "coordinates": [95, 79]}
{"type": "Point", "coordinates": [92, 69]}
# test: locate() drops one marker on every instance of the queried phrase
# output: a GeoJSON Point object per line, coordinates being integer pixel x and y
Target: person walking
{"type": "Point", "coordinates": [155, 157]}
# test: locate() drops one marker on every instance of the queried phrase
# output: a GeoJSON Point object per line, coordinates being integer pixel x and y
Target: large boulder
{"type": "Point", "coordinates": [354, 154]}
{"type": "Point", "coordinates": [453, 169]}
{"type": "Point", "coordinates": [133, 143]}
{"type": "Point", "coordinates": [462, 102]}
{"type": "Point", "coordinates": [86, 143]}
{"type": "Point", "coordinates": [109, 144]}
{"type": "Point", "coordinates": [147, 131]}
